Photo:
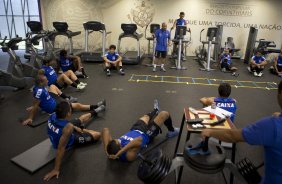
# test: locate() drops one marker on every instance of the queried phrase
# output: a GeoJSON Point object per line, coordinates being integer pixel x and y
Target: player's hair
{"type": "Point", "coordinates": [62, 109]}
{"type": "Point", "coordinates": [63, 52]}
{"type": "Point", "coordinates": [112, 47]}
{"type": "Point", "coordinates": [224, 90]}
{"type": "Point", "coordinates": [181, 13]}
{"type": "Point", "coordinates": [113, 147]}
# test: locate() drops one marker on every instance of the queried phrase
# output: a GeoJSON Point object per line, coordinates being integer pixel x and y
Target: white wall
{"type": "Point", "coordinates": [265, 14]}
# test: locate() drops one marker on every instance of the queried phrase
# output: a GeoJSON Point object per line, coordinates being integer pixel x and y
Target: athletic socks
{"type": "Point", "coordinates": [168, 124]}
{"type": "Point", "coordinates": [74, 84]}
{"type": "Point", "coordinates": [152, 114]}
{"type": "Point", "coordinates": [93, 113]}
{"type": "Point", "coordinates": [93, 107]}
{"type": "Point", "coordinates": [64, 96]}
{"type": "Point", "coordinates": [77, 81]}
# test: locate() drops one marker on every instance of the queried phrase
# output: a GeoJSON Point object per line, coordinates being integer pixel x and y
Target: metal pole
{"type": "Point", "coordinates": [103, 43]}
{"type": "Point", "coordinates": [86, 40]}
{"type": "Point", "coordinates": [209, 57]}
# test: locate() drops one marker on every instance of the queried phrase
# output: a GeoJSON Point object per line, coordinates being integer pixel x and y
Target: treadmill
{"type": "Point", "coordinates": [61, 28]}
{"type": "Point", "coordinates": [130, 57]}
{"type": "Point", "coordinates": [96, 56]}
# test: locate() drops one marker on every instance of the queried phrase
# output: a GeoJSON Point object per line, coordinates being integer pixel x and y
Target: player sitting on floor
{"type": "Point", "coordinates": [225, 63]}
{"type": "Point", "coordinates": [113, 59]}
{"type": "Point", "coordinates": [60, 80]}
{"type": "Point", "coordinates": [223, 101]}
{"type": "Point", "coordinates": [257, 64]}
{"type": "Point", "coordinates": [70, 62]}
{"type": "Point", "coordinates": [47, 99]}
{"type": "Point", "coordinates": [127, 147]}
{"type": "Point", "coordinates": [65, 133]}
{"type": "Point", "coordinates": [276, 69]}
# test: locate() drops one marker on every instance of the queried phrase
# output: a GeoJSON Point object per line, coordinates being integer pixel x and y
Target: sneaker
{"type": "Point", "coordinates": [121, 72]}
{"type": "Point", "coordinates": [235, 74]}
{"type": "Point", "coordinates": [85, 76]}
{"type": "Point", "coordinates": [72, 99]}
{"type": "Point", "coordinates": [154, 69]}
{"type": "Point", "coordinates": [78, 73]}
{"type": "Point", "coordinates": [163, 69]}
{"type": "Point", "coordinates": [223, 69]}
{"type": "Point", "coordinates": [100, 109]}
{"type": "Point", "coordinates": [249, 69]}
{"type": "Point", "coordinates": [156, 105]}
{"type": "Point", "coordinates": [255, 74]}
{"type": "Point", "coordinates": [171, 134]}
{"type": "Point", "coordinates": [80, 87]}
{"type": "Point", "coordinates": [83, 83]}
{"type": "Point", "coordinates": [108, 72]}
{"type": "Point", "coordinates": [103, 102]}
{"type": "Point", "coordinates": [260, 74]}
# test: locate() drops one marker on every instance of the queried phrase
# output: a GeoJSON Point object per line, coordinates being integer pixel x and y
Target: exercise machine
{"type": "Point", "coordinates": [61, 29]}
{"type": "Point", "coordinates": [180, 33]}
{"type": "Point", "coordinates": [14, 75]}
{"type": "Point", "coordinates": [33, 38]}
{"type": "Point", "coordinates": [153, 29]}
{"type": "Point", "coordinates": [263, 45]}
{"type": "Point", "coordinates": [130, 57]}
{"type": "Point", "coordinates": [229, 44]}
{"type": "Point", "coordinates": [89, 27]}
{"type": "Point", "coordinates": [206, 61]}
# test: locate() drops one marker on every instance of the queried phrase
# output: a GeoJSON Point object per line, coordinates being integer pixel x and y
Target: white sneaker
{"type": "Point", "coordinates": [163, 69]}
{"type": "Point", "coordinates": [83, 84]}
{"type": "Point", "coordinates": [260, 74]}
{"type": "Point", "coordinates": [255, 74]}
{"type": "Point", "coordinates": [249, 69]}
{"type": "Point", "coordinates": [80, 87]}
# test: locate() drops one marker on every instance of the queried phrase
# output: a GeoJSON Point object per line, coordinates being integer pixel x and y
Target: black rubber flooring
{"type": "Point", "coordinates": [127, 101]}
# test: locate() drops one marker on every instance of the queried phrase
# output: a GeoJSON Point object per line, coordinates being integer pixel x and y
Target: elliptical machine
{"type": "Point", "coordinates": [180, 33]}
{"type": "Point", "coordinates": [206, 61]}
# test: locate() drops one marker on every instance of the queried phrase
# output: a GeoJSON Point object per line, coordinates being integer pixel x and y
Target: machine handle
{"type": "Point", "coordinates": [2, 43]}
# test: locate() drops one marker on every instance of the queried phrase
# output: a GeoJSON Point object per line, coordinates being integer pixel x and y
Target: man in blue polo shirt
{"type": "Point", "coordinates": [257, 64]}
{"type": "Point", "coordinates": [163, 40]}
{"type": "Point", "coordinates": [266, 132]}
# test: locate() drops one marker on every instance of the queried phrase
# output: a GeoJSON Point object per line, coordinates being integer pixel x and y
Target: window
{"type": "Point", "coordinates": [14, 14]}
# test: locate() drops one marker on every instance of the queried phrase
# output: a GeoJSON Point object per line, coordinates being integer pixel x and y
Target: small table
{"type": "Point", "coordinates": [206, 116]}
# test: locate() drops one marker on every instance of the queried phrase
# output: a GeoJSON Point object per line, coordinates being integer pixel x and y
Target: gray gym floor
{"type": "Point", "coordinates": [127, 101]}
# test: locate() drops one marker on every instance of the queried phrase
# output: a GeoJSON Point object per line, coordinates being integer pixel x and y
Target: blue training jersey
{"type": "Point", "coordinates": [267, 132]}
{"type": "Point", "coordinates": [226, 57]}
{"type": "Point", "coordinates": [258, 59]}
{"type": "Point", "coordinates": [180, 22]}
{"type": "Point", "coordinates": [50, 74]}
{"type": "Point", "coordinates": [55, 130]}
{"type": "Point", "coordinates": [162, 37]}
{"type": "Point", "coordinates": [130, 136]}
{"type": "Point", "coordinates": [112, 56]}
{"type": "Point", "coordinates": [279, 61]}
{"type": "Point", "coordinates": [47, 103]}
{"type": "Point", "coordinates": [65, 64]}
{"type": "Point", "coordinates": [228, 104]}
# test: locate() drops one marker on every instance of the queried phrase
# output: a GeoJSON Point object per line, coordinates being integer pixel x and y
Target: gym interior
{"type": "Point", "coordinates": [33, 31]}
